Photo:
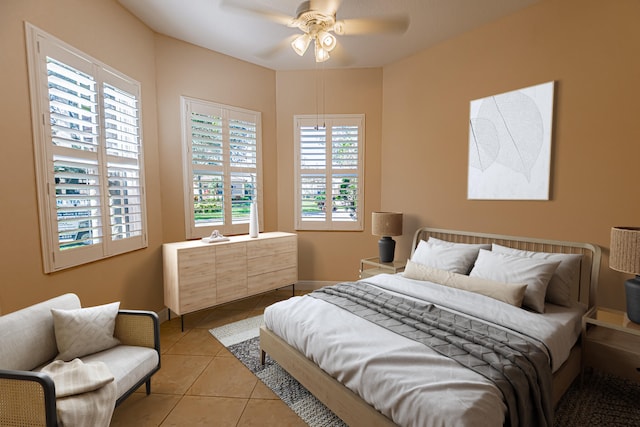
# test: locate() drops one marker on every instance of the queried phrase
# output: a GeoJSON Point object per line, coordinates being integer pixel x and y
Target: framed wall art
{"type": "Point", "coordinates": [510, 145]}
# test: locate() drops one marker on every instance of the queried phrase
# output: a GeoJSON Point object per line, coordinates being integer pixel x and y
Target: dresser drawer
{"type": "Point", "coordinates": [276, 279]}
{"type": "Point", "coordinates": [272, 247]}
{"type": "Point", "coordinates": [268, 264]}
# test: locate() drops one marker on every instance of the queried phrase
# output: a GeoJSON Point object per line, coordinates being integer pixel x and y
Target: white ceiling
{"type": "Point", "coordinates": [214, 25]}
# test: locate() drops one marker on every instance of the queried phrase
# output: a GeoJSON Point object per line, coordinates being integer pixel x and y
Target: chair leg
{"type": "Point", "coordinates": [148, 386]}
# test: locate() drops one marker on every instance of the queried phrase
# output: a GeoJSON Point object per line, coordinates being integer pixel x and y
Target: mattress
{"type": "Point", "coordinates": [403, 379]}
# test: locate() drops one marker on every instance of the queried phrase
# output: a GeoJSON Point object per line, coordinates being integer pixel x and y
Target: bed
{"type": "Point", "coordinates": [371, 374]}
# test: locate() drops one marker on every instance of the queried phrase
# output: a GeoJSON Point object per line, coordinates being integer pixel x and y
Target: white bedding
{"type": "Point", "coordinates": [403, 379]}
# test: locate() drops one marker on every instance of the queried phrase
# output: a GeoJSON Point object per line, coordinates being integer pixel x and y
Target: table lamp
{"type": "Point", "coordinates": [386, 224]}
{"type": "Point", "coordinates": [625, 257]}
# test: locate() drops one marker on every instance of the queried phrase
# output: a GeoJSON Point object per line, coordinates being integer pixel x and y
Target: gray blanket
{"type": "Point", "coordinates": [517, 366]}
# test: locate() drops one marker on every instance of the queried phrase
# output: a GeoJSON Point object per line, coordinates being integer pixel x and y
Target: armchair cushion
{"type": "Point", "coordinates": [128, 364]}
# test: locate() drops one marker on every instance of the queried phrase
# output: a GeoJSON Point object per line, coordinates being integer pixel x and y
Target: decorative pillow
{"type": "Point", "coordinates": [511, 293]}
{"type": "Point", "coordinates": [566, 276]}
{"type": "Point", "coordinates": [514, 269]}
{"type": "Point", "coordinates": [457, 258]}
{"type": "Point", "coordinates": [85, 330]}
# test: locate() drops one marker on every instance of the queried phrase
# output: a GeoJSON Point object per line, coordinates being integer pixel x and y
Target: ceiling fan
{"type": "Point", "coordinates": [318, 23]}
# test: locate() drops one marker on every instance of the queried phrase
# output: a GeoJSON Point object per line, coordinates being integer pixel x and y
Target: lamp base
{"type": "Point", "coordinates": [632, 288]}
{"type": "Point", "coordinates": [387, 247]}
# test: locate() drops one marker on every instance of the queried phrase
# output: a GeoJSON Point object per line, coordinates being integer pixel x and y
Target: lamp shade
{"type": "Point", "coordinates": [386, 223]}
{"type": "Point", "coordinates": [327, 40]}
{"type": "Point", "coordinates": [301, 43]}
{"type": "Point", "coordinates": [625, 250]}
{"type": "Point", "coordinates": [321, 53]}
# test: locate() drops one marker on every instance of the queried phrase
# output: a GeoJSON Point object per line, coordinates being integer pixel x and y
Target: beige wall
{"type": "Point", "coordinates": [102, 29]}
{"type": "Point", "coordinates": [590, 48]}
{"type": "Point", "coordinates": [187, 70]}
{"type": "Point", "coordinates": [416, 132]}
{"type": "Point", "coordinates": [329, 256]}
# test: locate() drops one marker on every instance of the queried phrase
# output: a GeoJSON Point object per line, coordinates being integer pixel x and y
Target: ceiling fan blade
{"type": "Point", "coordinates": [347, 27]}
{"type": "Point", "coordinates": [277, 17]}
{"type": "Point", "coordinates": [277, 49]}
{"type": "Point", "coordinates": [330, 7]}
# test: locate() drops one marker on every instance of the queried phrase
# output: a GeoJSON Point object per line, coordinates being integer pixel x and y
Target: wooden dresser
{"type": "Point", "coordinates": [199, 275]}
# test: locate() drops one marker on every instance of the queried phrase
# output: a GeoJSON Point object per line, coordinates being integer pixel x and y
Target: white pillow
{"type": "Point", "coordinates": [434, 241]}
{"type": "Point", "coordinates": [514, 269]}
{"type": "Point", "coordinates": [506, 292]}
{"type": "Point", "coordinates": [566, 276]}
{"type": "Point", "coordinates": [457, 258]}
{"type": "Point", "coordinates": [85, 331]}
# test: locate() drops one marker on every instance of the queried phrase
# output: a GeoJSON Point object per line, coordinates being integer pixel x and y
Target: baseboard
{"type": "Point", "coordinates": [163, 315]}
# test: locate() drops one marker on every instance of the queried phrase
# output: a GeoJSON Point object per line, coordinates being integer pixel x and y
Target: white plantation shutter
{"type": "Point", "coordinates": [329, 170]}
{"type": "Point", "coordinates": [74, 139]}
{"type": "Point", "coordinates": [88, 150]}
{"type": "Point", "coordinates": [222, 166]}
{"type": "Point", "coordinates": [243, 164]}
{"type": "Point", "coordinates": [123, 155]}
{"type": "Point", "coordinates": [207, 168]}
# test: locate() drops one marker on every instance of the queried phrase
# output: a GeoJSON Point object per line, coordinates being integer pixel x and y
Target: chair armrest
{"type": "Point", "coordinates": [27, 398]}
{"type": "Point", "coordinates": [137, 327]}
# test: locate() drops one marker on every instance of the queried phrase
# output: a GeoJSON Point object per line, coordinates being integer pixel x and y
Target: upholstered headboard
{"type": "Point", "coordinates": [587, 287]}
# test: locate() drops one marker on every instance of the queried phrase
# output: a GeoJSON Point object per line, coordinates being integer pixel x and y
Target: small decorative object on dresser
{"type": "Point", "coordinates": [386, 224]}
{"type": "Point", "coordinates": [254, 227]}
{"type": "Point", "coordinates": [625, 257]}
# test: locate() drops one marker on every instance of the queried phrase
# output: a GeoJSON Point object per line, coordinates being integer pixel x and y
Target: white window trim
{"type": "Point", "coordinates": [327, 121]}
{"type": "Point", "coordinates": [55, 259]}
{"type": "Point", "coordinates": [228, 228]}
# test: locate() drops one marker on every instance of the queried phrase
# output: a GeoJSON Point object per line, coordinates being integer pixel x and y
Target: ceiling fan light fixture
{"type": "Point", "coordinates": [327, 40]}
{"type": "Point", "coordinates": [321, 53]}
{"type": "Point", "coordinates": [301, 43]}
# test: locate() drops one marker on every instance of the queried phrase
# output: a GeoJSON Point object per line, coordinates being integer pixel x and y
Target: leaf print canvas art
{"type": "Point", "coordinates": [510, 145]}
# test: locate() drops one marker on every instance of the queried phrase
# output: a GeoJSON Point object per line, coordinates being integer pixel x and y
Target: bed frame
{"type": "Point", "coordinates": [356, 412]}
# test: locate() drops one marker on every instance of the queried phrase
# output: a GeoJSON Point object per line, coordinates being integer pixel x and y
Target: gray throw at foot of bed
{"type": "Point", "coordinates": [517, 366]}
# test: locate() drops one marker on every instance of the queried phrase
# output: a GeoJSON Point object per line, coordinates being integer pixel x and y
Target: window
{"type": "Point", "coordinates": [222, 164]}
{"type": "Point", "coordinates": [329, 172]}
{"type": "Point", "coordinates": [88, 152]}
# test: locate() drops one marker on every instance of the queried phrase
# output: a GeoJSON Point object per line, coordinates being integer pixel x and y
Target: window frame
{"type": "Point", "coordinates": [40, 46]}
{"type": "Point", "coordinates": [329, 121]}
{"type": "Point", "coordinates": [231, 225]}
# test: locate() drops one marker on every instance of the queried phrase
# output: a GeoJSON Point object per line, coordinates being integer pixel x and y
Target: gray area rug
{"type": "Point", "coordinates": [241, 339]}
{"type": "Point", "coordinates": [290, 391]}
{"type": "Point", "coordinates": [601, 399]}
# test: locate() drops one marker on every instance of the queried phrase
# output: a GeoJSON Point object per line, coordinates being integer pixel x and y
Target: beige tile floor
{"type": "Point", "coordinates": [200, 383]}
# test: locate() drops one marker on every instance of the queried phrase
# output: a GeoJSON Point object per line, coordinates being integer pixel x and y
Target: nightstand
{"type": "Point", "coordinates": [372, 266]}
{"type": "Point", "coordinates": [611, 343]}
